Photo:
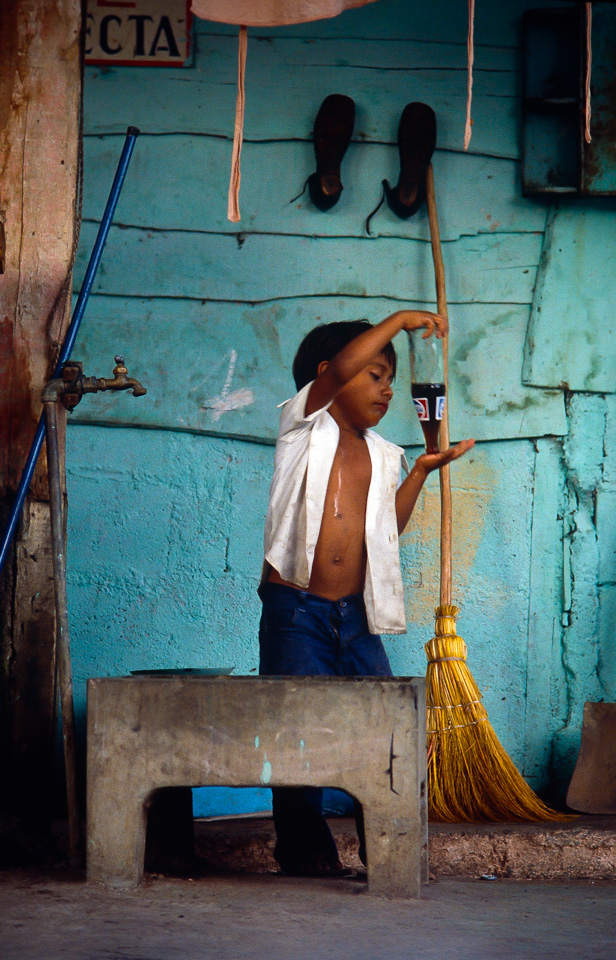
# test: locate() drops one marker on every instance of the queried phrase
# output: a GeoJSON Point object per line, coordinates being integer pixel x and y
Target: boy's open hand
{"type": "Point", "coordinates": [433, 322]}
{"type": "Point", "coordinates": [433, 461]}
{"type": "Point", "coordinates": [409, 489]}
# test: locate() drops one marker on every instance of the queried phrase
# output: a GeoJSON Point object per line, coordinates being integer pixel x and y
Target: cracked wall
{"type": "Point", "coordinates": [586, 644]}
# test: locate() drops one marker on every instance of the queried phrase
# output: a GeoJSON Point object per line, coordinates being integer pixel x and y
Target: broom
{"type": "Point", "coordinates": [471, 777]}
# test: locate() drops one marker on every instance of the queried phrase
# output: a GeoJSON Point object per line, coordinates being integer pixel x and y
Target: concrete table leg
{"type": "Point", "coordinates": [395, 814]}
{"type": "Point", "coordinates": [393, 848]}
{"type": "Point", "coordinates": [116, 836]}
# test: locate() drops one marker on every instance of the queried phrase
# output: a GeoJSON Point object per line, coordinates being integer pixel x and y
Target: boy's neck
{"type": "Point", "coordinates": [343, 424]}
{"type": "Point", "coordinates": [351, 431]}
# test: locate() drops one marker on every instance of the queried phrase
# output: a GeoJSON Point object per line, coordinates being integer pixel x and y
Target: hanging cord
{"type": "Point", "coordinates": [302, 191]}
{"type": "Point", "coordinates": [587, 135]}
{"type": "Point", "coordinates": [470, 49]}
{"type": "Point", "coordinates": [376, 209]}
{"type": "Point", "coordinates": [233, 209]}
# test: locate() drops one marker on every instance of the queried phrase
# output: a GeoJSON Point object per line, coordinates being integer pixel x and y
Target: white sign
{"type": "Point", "coordinates": [149, 33]}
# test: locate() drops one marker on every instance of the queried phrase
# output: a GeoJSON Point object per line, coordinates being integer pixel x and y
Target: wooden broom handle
{"type": "Point", "coordinates": [444, 477]}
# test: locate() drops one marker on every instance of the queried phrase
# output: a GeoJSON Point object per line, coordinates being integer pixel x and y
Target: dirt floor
{"type": "Point", "coordinates": [55, 914]}
{"type": "Point", "coordinates": [481, 905]}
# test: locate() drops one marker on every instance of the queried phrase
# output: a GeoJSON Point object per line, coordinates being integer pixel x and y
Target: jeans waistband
{"type": "Point", "coordinates": [278, 591]}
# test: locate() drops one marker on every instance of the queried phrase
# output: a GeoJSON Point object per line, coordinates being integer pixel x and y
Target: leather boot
{"type": "Point", "coordinates": [416, 143]}
{"type": "Point", "coordinates": [333, 128]}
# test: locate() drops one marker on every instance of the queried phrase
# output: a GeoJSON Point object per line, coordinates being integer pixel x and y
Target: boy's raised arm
{"type": "Point", "coordinates": [336, 373]}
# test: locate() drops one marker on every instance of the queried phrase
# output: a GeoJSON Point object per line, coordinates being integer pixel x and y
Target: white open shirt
{"type": "Point", "coordinates": [305, 452]}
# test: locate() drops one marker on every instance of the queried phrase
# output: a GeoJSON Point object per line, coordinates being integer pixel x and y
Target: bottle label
{"type": "Point", "coordinates": [440, 407]}
{"type": "Point", "coordinates": [421, 405]}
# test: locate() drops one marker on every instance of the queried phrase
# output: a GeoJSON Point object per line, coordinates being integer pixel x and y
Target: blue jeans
{"type": "Point", "coordinates": [304, 635]}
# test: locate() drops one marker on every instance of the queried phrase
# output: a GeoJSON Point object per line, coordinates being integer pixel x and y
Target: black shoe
{"type": "Point", "coordinates": [333, 128]}
{"type": "Point", "coordinates": [416, 143]}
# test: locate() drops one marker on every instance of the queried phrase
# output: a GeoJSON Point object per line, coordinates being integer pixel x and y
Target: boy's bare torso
{"type": "Point", "coordinates": [339, 566]}
{"type": "Point", "coordinates": [356, 388]}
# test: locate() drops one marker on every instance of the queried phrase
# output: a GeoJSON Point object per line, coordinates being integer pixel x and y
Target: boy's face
{"type": "Point", "coordinates": [365, 399]}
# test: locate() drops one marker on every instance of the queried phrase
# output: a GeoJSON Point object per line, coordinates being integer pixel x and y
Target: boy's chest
{"type": "Point", "coordinates": [351, 473]}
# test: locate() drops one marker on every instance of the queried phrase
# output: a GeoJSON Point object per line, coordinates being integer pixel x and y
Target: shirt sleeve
{"type": "Point", "coordinates": [293, 413]}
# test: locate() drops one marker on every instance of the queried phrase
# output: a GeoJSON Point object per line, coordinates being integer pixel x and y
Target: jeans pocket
{"type": "Point", "coordinates": [279, 616]}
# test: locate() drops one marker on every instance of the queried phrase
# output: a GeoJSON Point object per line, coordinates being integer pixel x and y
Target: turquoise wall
{"type": "Point", "coordinates": [168, 493]}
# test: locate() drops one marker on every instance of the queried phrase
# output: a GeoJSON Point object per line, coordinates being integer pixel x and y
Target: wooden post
{"type": "Point", "coordinates": [40, 93]}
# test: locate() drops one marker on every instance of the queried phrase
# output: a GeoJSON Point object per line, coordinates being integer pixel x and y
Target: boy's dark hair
{"type": "Point", "coordinates": [327, 340]}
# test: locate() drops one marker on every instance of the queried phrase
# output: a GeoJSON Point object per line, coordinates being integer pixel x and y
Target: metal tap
{"type": "Point", "coordinates": [120, 381]}
{"type": "Point", "coordinates": [72, 385]}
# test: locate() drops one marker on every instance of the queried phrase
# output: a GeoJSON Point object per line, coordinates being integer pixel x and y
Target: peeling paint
{"type": "Point", "coordinates": [474, 487]}
{"type": "Point", "coordinates": [229, 400]}
{"type": "Point", "coordinates": [266, 772]}
{"type": "Point", "coordinates": [581, 641]}
{"type": "Point", "coordinates": [233, 401]}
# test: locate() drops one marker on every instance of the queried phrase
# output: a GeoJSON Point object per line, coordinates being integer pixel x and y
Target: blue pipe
{"type": "Point", "coordinates": [95, 257]}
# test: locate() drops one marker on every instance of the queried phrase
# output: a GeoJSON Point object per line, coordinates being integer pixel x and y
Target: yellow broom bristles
{"type": "Point", "coordinates": [471, 776]}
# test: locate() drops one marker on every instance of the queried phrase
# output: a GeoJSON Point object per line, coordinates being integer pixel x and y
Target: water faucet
{"type": "Point", "coordinates": [71, 385]}
{"type": "Point", "coordinates": [120, 381]}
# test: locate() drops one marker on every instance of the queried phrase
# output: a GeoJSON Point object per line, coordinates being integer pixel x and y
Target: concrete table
{"type": "Point", "coordinates": [365, 736]}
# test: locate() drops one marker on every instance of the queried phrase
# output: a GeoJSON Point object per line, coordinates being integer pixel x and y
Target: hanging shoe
{"type": "Point", "coordinates": [416, 143]}
{"type": "Point", "coordinates": [333, 128]}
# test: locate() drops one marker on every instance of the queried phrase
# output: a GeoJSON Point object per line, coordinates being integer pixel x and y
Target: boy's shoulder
{"type": "Point", "coordinates": [293, 411]}
{"type": "Point", "coordinates": [297, 400]}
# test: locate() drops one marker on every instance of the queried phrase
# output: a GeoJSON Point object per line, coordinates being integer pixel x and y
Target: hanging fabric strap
{"type": "Point", "coordinates": [233, 208]}
{"type": "Point", "coordinates": [470, 50]}
{"type": "Point", "coordinates": [587, 135]}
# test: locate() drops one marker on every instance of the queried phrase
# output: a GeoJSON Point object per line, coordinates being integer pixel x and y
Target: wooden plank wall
{"type": "Point", "coordinates": [209, 314]}
{"type": "Point", "coordinates": [290, 258]}
{"type": "Point", "coordinates": [40, 86]}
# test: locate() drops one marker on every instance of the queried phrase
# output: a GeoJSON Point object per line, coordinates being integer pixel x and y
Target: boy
{"type": "Point", "coordinates": [331, 578]}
